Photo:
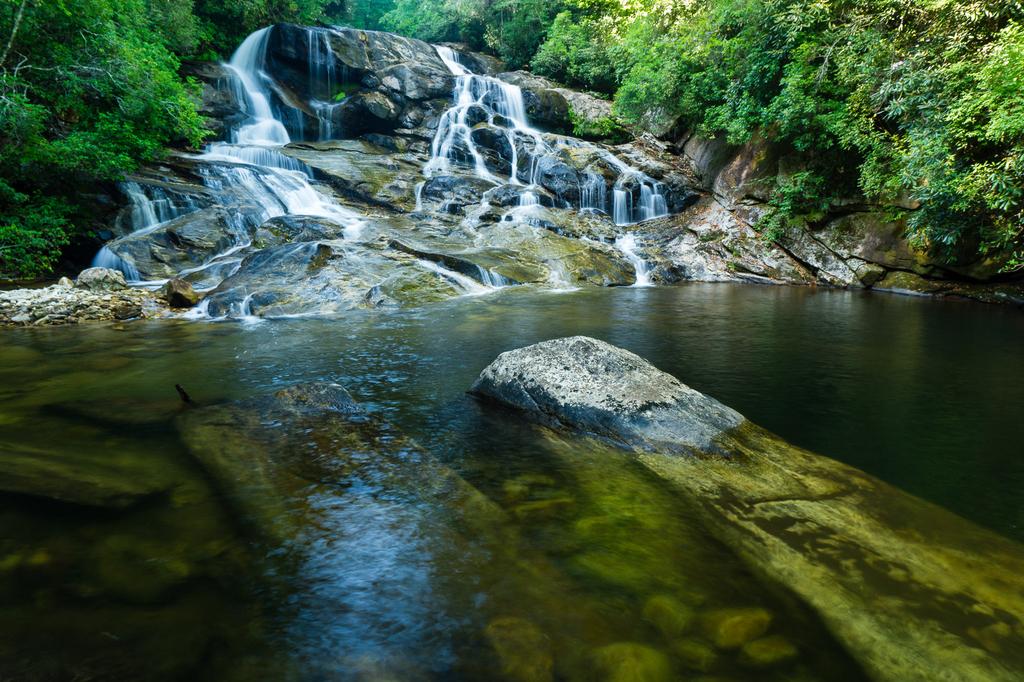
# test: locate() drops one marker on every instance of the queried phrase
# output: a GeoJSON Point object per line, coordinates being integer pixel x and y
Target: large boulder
{"type": "Point", "coordinates": [913, 592]}
{"type": "Point", "coordinates": [101, 279]}
{"type": "Point", "coordinates": [589, 385]}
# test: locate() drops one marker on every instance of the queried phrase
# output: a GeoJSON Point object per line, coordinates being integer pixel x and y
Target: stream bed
{"type": "Point", "coordinates": [576, 564]}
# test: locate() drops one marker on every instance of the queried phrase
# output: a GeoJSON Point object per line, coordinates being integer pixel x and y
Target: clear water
{"type": "Point", "coordinates": [926, 395]}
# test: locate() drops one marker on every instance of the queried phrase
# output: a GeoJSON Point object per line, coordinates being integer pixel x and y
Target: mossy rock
{"type": "Point", "coordinates": [631, 662]}
{"type": "Point", "coordinates": [524, 651]}
{"type": "Point", "coordinates": [669, 615]}
{"type": "Point", "coordinates": [768, 652]}
{"type": "Point", "coordinates": [732, 628]}
{"type": "Point", "coordinates": [695, 655]}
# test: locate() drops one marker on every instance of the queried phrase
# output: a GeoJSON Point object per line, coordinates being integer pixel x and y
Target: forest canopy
{"type": "Point", "coordinates": [908, 102]}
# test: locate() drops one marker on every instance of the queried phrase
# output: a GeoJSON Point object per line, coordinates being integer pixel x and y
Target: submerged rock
{"type": "Point", "coordinates": [75, 478]}
{"type": "Point", "coordinates": [586, 384]}
{"type": "Point", "coordinates": [273, 457]}
{"type": "Point", "coordinates": [630, 662]}
{"type": "Point", "coordinates": [668, 614]}
{"type": "Point", "coordinates": [732, 628]}
{"type": "Point", "coordinates": [911, 591]}
{"type": "Point", "coordinates": [524, 651]}
{"type": "Point", "coordinates": [695, 654]}
{"type": "Point", "coordinates": [767, 652]}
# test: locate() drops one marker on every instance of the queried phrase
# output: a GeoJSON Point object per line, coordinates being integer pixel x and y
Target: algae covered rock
{"type": "Point", "coordinates": [524, 651]}
{"type": "Point", "coordinates": [695, 654]}
{"type": "Point", "coordinates": [767, 652]}
{"type": "Point", "coordinates": [669, 615]}
{"type": "Point", "coordinates": [273, 456]}
{"type": "Point", "coordinates": [890, 576]}
{"type": "Point", "coordinates": [74, 477]}
{"type": "Point", "coordinates": [631, 662]}
{"type": "Point", "coordinates": [732, 628]}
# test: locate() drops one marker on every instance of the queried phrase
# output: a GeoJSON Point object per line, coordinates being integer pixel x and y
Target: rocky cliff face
{"type": "Point", "coordinates": [362, 169]}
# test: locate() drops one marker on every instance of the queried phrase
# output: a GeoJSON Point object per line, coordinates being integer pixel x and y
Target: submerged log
{"type": "Point", "coordinates": [911, 590]}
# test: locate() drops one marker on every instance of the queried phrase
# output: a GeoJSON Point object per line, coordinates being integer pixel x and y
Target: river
{"type": "Point", "coordinates": [926, 395]}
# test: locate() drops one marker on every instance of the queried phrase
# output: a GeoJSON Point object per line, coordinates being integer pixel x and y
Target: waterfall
{"type": "Point", "coordinates": [152, 205]}
{"type": "Point", "coordinates": [247, 66]}
{"type": "Point", "coordinates": [529, 198]}
{"type": "Point", "coordinates": [251, 177]}
{"type": "Point", "coordinates": [627, 245]}
{"type": "Point", "coordinates": [105, 258]}
{"type": "Point", "coordinates": [464, 283]}
{"type": "Point", "coordinates": [323, 76]}
{"type": "Point", "coordinates": [503, 106]}
{"type": "Point", "coordinates": [593, 193]}
{"type": "Point", "coordinates": [256, 173]}
{"type": "Point", "coordinates": [479, 93]}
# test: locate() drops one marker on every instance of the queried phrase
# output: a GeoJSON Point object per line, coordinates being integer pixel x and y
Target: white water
{"type": "Point", "coordinates": [247, 66]}
{"type": "Point", "coordinates": [467, 285]}
{"type": "Point", "coordinates": [252, 178]}
{"type": "Point", "coordinates": [627, 245]}
{"type": "Point", "coordinates": [505, 108]}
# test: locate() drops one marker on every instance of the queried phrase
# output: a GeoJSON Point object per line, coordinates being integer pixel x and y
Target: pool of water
{"type": "Point", "coordinates": [583, 565]}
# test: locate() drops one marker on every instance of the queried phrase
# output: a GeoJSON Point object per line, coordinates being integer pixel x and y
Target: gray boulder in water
{"type": "Point", "coordinates": [913, 592]}
{"type": "Point", "coordinates": [592, 386]}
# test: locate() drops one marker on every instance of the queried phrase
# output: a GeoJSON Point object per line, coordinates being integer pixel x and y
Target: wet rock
{"type": "Point", "coordinates": [768, 652]}
{"type": "Point", "coordinates": [732, 628]}
{"type": "Point", "coordinates": [669, 615]}
{"type": "Point", "coordinates": [509, 195]}
{"type": "Point", "coordinates": [546, 105]}
{"type": "Point", "coordinates": [101, 279]}
{"type": "Point", "coordinates": [695, 655]}
{"type": "Point", "coordinates": [325, 278]}
{"type": "Point", "coordinates": [363, 170]}
{"type": "Point", "coordinates": [524, 651]}
{"type": "Point", "coordinates": [73, 478]}
{"type": "Point", "coordinates": [275, 458]}
{"type": "Point", "coordinates": [630, 662]}
{"type": "Point", "coordinates": [179, 294]}
{"type": "Point", "coordinates": [218, 102]}
{"type": "Point", "coordinates": [185, 242]}
{"type": "Point", "coordinates": [586, 384]}
{"type": "Point", "coordinates": [560, 179]}
{"type": "Point", "coordinates": [455, 190]}
{"type": "Point", "coordinates": [843, 542]}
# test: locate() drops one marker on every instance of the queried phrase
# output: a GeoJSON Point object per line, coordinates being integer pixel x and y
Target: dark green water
{"type": "Point", "coordinates": [926, 395]}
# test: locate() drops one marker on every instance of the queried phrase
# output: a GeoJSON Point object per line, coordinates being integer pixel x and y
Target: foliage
{"type": "Point", "coordinates": [574, 53]}
{"type": "Point", "coordinates": [605, 128]}
{"type": "Point", "coordinates": [916, 100]}
{"type": "Point", "coordinates": [89, 89]}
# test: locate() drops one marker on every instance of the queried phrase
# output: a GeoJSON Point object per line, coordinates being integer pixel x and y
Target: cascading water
{"type": "Point", "coordinates": [247, 67]}
{"type": "Point", "coordinates": [627, 245]}
{"type": "Point", "coordinates": [475, 93]}
{"type": "Point", "coordinates": [504, 107]}
{"type": "Point", "coordinates": [151, 207]}
{"type": "Point", "coordinates": [323, 74]}
{"type": "Point", "coordinates": [251, 172]}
